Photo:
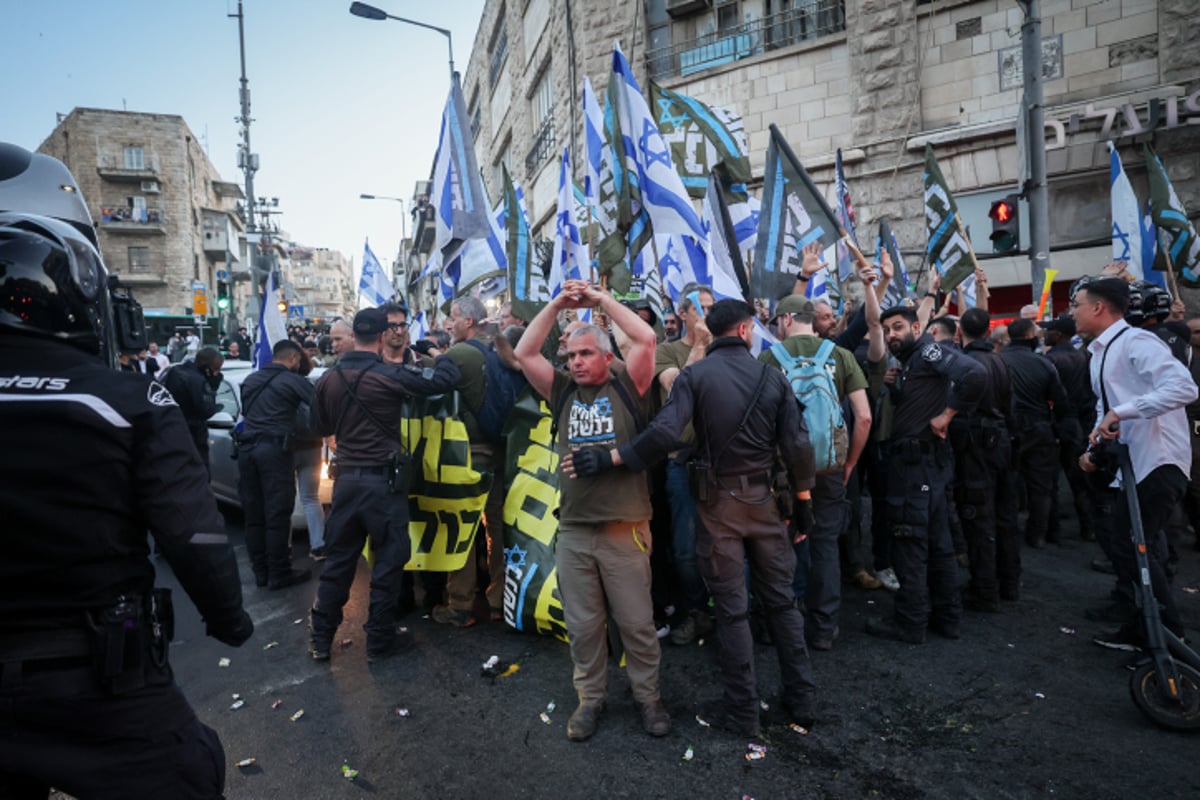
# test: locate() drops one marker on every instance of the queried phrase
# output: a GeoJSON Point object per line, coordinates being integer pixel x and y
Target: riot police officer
{"type": "Point", "coordinates": [272, 399]}
{"type": "Point", "coordinates": [89, 702]}
{"type": "Point", "coordinates": [933, 385]}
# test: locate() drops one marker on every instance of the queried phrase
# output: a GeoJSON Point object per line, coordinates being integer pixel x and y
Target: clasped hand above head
{"type": "Point", "coordinates": [579, 294]}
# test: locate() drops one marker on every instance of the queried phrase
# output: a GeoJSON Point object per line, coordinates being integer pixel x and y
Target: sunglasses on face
{"type": "Point", "coordinates": [397, 326]}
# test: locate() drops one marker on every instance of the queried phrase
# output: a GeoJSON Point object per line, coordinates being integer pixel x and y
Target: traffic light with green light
{"type": "Point", "coordinates": [222, 296]}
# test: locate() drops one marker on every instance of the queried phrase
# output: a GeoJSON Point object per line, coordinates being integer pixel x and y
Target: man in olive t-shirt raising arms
{"type": "Point", "coordinates": [603, 548]}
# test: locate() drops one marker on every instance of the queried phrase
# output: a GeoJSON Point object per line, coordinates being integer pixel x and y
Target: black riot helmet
{"type": "Point", "coordinates": [1135, 311]}
{"type": "Point", "coordinates": [53, 282]}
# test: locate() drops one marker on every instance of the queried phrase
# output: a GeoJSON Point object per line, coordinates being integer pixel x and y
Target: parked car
{"type": "Point", "coordinates": [223, 468]}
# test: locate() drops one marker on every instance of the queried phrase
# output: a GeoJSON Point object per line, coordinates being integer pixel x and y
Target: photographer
{"type": "Point", "coordinates": [1142, 392]}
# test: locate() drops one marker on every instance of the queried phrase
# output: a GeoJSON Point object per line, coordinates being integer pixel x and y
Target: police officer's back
{"type": "Point", "coordinates": [93, 458]}
{"type": "Point", "coordinates": [273, 401]}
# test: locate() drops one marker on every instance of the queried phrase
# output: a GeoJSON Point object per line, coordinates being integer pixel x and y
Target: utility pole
{"type": "Point", "coordinates": [1035, 189]}
{"type": "Point", "coordinates": [248, 163]}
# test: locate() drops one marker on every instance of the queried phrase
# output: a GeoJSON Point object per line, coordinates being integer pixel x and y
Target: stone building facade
{"type": "Point", "coordinates": [318, 284]}
{"type": "Point", "coordinates": [877, 79]}
{"type": "Point", "coordinates": [165, 218]}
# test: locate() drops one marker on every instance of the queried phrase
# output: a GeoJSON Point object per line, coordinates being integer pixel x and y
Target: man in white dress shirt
{"type": "Point", "coordinates": [1141, 393]}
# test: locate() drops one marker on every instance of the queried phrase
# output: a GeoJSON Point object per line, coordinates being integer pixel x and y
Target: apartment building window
{"type": "Point", "coordinates": [542, 106]}
{"type": "Point", "coordinates": [473, 113]}
{"type": "Point", "coordinates": [133, 157]}
{"type": "Point", "coordinates": [728, 15]}
{"type": "Point", "coordinates": [498, 48]}
{"type": "Point", "coordinates": [139, 260]}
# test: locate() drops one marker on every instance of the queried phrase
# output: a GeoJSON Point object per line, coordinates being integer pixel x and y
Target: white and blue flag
{"type": "Point", "coordinates": [570, 256]}
{"type": "Point", "coordinates": [461, 210]}
{"type": "Point", "coordinates": [417, 327]}
{"type": "Point", "coordinates": [1131, 241]}
{"type": "Point", "coordinates": [658, 187]}
{"type": "Point", "coordinates": [374, 288]}
{"type": "Point", "coordinates": [271, 326]}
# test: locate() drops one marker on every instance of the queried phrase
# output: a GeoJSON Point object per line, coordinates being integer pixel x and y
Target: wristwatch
{"type": "Point", "coordinates": [931, 294]}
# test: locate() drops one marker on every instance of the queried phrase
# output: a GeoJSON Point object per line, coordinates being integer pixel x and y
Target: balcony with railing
{"type": "Point", "coordinates": [543, 145]}
{"type": "Point", "coordinates": [124, 219]}
{"type": "Point", "coordinates": [116, 167]}
{"type": "Point", "coordinates": [805, 21]}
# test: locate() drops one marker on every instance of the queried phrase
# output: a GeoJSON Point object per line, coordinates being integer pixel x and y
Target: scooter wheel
{"type": "Point", "coordinates": [1150, 697]}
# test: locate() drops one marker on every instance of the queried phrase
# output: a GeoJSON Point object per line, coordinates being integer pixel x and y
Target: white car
{"type": "Point", "coordinates": [223, 469]}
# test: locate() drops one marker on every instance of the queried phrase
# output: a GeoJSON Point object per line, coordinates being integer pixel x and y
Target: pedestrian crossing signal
{"type": "Point", "coordinates": [1006, 225]}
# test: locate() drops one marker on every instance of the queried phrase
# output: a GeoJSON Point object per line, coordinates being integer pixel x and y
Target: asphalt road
{"type": "Point", "coordinates": [1024, 705]}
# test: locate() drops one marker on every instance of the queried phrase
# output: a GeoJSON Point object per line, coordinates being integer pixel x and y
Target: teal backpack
{"type": "Point", "coordinates": [813, 386]}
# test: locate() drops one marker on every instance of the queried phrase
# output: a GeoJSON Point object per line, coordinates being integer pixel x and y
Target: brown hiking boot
{"type": "Point", "coordinates": [583, 722]}
{"type": "Point", "coordinates": [655, 719]}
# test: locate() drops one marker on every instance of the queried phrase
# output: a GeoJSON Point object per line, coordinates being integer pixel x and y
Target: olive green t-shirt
{"type": "Point", "coordinates": [596, 416]}
{"type": "Point", "coordinates": [848, 376]}
{"type": "Point", "coordinates": [666, 356]}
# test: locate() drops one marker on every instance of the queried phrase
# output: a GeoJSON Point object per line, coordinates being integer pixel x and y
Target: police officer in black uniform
{"type": "Point", "coordinates": [359, 402]}
{"type": "Point", "coordinates": [277, 407]}
{"type": "Point", "coordinates": [194, 386]}
{"type": "Point", "coordinates": [743, 414]}
{"type": "Point", "coordinates": [1156, 307]}
{"type": "Point", "coordinates": [934, 384]}
{"type": "Point", "coordinates": [88, 703]}
{"type": "Point", "coordinates": [1072, 365]}
{"type": "Point", "coordinates": [1042, 412]}
{"type": "Point", "coordinates": [982, 458]}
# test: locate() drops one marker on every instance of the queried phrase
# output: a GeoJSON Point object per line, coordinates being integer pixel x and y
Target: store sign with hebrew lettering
{"type": "Point", "coordinates": [1118, 122]}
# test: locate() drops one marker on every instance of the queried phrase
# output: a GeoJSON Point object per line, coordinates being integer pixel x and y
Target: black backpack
{"type": "Point", "coordinates": [502, 385]}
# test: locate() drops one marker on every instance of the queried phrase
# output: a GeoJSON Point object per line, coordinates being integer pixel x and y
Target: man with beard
{"type": "Point", "coordinates": [919, 468]}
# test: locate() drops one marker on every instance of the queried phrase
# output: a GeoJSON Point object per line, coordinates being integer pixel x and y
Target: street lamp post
{"type": "Point", "coordinates": [371, 12]}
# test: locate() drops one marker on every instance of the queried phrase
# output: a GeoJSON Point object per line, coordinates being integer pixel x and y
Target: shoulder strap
{"type": "Point", "coordinates": [825, 351]}
{"type": "Point", "coordinates": [266, 383]}
{"type": "Point", "coordinates": [352, 391]}
{"type": "Point", "coordinates": [1104, 358]}
{"type": "Point", "coordinates": [639, 421]}
{"type": "Point", "coordinates": [762, 379]}
{"type": "Point", "coordinates": [785, 359]}
{"type": "Point", "coordinates": [480, 346]}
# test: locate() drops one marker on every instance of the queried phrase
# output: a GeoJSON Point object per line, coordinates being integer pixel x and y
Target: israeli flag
{"type": "Point", "coordinates": [682, 262]}
{"type": "Point", "coordinates": [374, 288]}
{"type": "Point", "coordinates": [724, 262]}
{"type": "Point", "coordinates": [417, 327]}
{"type": "Point", "coordinates": [570, 256]}
{"type": "Point", "coordinates": [761, 339]}
{"type": "Point", "coordinates": [593, 129]}
{"type": "Point", "coordinates": [745, 223]}
{"type": "Point", "coordinates": [271, 326]}
{"type": "Point", "coordinates": [1129, 242]}
{"type": "Point", "coordinates": [663, 197]}
{"type": "Point", "coordinates": [461, 210]}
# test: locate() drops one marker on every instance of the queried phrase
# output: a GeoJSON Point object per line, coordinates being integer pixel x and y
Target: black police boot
{"type": "Point", "coordinates": [889, 629]}
{"type": "Point", "coordinates": [290, 578]}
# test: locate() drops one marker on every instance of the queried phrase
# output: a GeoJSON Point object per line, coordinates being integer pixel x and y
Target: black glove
{"type": "Point", "coordinates": [802, 521]}
{"type": "Point", "coordinates": [233, 632]}
{"type": "Point", "coordinates": [591, 461]}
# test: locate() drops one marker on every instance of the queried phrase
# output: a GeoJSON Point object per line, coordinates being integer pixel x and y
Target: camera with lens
{"type": "Point", "coordinates": [1106, 458]}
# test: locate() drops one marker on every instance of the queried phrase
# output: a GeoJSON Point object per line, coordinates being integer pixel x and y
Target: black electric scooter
{"type": "Point", "coordinates": [1166, 683]}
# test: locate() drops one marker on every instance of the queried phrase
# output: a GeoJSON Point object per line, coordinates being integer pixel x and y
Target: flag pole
{"type": "Point", "coordinates": [1166, 251]}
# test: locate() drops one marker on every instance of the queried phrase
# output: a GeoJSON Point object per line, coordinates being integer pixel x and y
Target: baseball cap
{"type": "Point", "coordinates": [370, 322]}
{"type": "Point", "coordinates": [793, 304]}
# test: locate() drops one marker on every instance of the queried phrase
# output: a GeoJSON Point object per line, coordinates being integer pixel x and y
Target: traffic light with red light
{"type": "Point", "coordinates": [1006, 225]}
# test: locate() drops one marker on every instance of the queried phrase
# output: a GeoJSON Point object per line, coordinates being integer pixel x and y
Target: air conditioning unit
{"type": "Point", "coordinates": [150, 187]}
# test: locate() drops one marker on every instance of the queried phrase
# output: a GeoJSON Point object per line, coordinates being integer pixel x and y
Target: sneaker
{"type": "Point", "coordinates": [292, 578]}
{"type": "Point", "coordinates": [697, 624]}
{"type": "Point", "coordinates": [1117, 613]}
{"type": "Point", "coordinates": [866, 580]}
{"type": "Point", "coordinates": [717, 715]}
{"type": "Point", "coordinates": [319, 652]}
{"type": "Point", "coordinates": [448, 616]}
{"type": "Point", "coordinates": [583, 722]}
{"type": "Point", "coordinates": [888, 629]}
{"type": "Point", "coordinates": [317, 553]}
{"type": "Point", "coordinates": [799, 713]}
{"type": "Point", "coordinates": [1125, 638]}
{"type": "Point", "coordinates": [887, 578]}
{"type": "Point", "coordinates": [655, 719]}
